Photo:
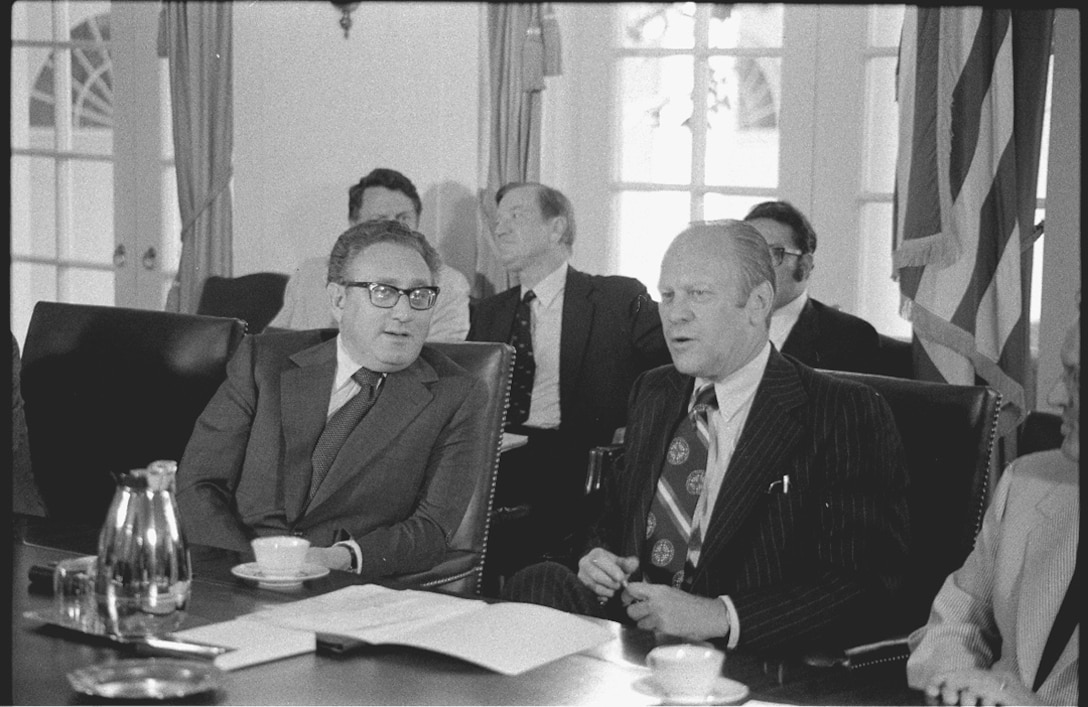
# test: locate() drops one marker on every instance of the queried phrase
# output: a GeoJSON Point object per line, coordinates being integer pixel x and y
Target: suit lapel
{"type": "Point", "coordinates": [403, 397]}
{"type": "Point", "coordinates": [1049, 557]}
{"type": "Point", "coordinates": [658, 417]}
{"type": "Point", "coordinates": [502, 323]}
{"type": "Point", "coordinates": [804, 336]}
{"type": "Point", "coordinates": [304, 403]}
{"type": "Point", "coordinates": [763, 454]}
{"type": "Point", "coordinates": [578, 312]}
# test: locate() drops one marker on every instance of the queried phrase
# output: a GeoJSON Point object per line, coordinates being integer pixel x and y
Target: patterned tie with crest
{"type": "Point", "coordinates": [673, 536]}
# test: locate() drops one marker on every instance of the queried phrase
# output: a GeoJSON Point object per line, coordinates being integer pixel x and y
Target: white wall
{"type": "Point", "coordinates": [313, 112]}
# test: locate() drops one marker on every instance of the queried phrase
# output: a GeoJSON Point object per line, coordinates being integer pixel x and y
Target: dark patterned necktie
{"type": "Point", "coordinates": [670, 538]}
{"type": "Point", "coordinates": [341, 424]}
{"type": "Point", "coordinates": [521, 384]}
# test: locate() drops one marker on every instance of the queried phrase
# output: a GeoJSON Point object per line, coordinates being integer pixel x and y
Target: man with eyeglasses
{"type": "Point", "coordinates": [355, 440]}
{"type": "Point", "coordinates": [805, 328]}
{"type": "Point", "coordinates": [382, 194]}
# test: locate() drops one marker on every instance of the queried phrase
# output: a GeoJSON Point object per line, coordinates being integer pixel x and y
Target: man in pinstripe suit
{"type": "Point", "coordinates": [798, 528]}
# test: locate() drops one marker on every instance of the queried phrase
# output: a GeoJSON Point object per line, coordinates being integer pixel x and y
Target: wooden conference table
{"type": "Point", "coordinates": [42, 655]}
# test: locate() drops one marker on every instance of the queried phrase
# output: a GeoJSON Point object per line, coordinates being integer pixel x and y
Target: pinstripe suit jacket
{"type": "Point", "coordinates": [997, 610]}
{"type": "Point", "coordinates": [812, 566]}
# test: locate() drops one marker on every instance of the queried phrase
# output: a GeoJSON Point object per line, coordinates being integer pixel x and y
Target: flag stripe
{"type": "Point", "coordinates": [968, 151]}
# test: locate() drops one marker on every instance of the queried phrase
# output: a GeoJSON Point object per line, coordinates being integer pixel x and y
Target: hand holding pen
{"type": "Point", "coordinates": [605, 572]}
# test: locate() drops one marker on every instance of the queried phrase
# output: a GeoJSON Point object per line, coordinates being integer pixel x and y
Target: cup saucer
{"type": "Point", "coordinates": [251, 571]}
{"type": "Point", "coordinates": [725, 691]}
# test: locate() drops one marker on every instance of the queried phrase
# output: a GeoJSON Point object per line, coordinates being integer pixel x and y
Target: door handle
{"type": "Point", "coordinates": [119, 256]}
{"type": "Point", "coordinates": [151, 259]}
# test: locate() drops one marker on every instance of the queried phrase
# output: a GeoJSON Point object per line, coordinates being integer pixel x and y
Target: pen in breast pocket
{"type": "Point", "coordinates": [784, 483]}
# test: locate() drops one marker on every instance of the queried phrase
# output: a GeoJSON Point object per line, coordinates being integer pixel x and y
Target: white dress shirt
{"type": "Point", "coordinates": [547, 327]}
{"type": "Point", "coordinates": [783, 320]}
{"type": "Point", "coordinates": [725, 424]}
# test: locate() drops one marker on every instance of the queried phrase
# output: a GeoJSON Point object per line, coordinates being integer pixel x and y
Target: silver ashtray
{"type": "Point", "coordinates": [146, 678]}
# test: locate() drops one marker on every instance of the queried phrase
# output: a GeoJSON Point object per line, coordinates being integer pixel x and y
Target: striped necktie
{"type": "Point", "coordinates": [341, 424]}
{"type": "Point", "coordinates": [673, 533]}
{"type": "Point", "coordinates": [521, 384]}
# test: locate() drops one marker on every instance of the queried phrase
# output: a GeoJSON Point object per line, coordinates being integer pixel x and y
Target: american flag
{"type": "Point", "coordinates": [971, 91]}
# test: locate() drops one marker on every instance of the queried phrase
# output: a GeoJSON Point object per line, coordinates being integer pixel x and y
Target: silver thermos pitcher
{"type": "Point", "coordinates": [143, 576]}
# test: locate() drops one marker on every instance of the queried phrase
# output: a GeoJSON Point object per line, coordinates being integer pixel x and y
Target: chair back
{"type": "Point", "coordinates": [1039, 432]}
{"type": "Point", "coordinates": [108, 389]}
{"type": "Point", "coordinates": [255, 298]}
{"type": "Point", "coordinates": [948, 434]}
{"type": "Point", "coordinates": [894, 357]}
{"type": "Point", "coordinates": [462, 569]}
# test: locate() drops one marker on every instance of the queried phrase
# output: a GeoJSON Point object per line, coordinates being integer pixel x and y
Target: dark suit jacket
{"type": "Point", "coordinates": [824, 337]}
{"type": "Point", "coordinates": [398, 485]}
{"type": "Point", "coordinates": [611, 333]}
{"type": "Point", "coordinates": [814, 564]}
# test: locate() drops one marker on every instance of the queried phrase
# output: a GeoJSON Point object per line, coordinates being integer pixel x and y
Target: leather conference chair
{"type": "Point", "coordinates": [1039, 432]}
{"type": "Point", "coordinates": [894, 357]}
{"type": "Point", "coordinates": [461, 571]}
{"type": "Point", "coordinates": [109, 389]}
{"type": "Point", "coordinates": [256, 298]}
{"type": "Point", "coordinates": [948, 434]}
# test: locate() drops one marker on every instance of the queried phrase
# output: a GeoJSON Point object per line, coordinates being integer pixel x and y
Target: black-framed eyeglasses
{"type": "Point", "coordinates": [779, 253]}
{"type": "Point", "coordinates": [387, 296]}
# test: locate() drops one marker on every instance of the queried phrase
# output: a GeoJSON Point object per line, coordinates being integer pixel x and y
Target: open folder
{"type": "Point", "coordinates": [508, 637]}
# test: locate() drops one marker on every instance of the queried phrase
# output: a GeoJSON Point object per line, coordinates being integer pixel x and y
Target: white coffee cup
{"type": "Point", "coordinates": [685, 669]}
{"type": "Point", "coordinates": [280, 555]}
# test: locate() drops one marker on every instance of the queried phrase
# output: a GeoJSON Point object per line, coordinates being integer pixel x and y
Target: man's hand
{"type": "Point", "coordinates": [604, 572]}
{"type": "Point", "coordinates": [662, 608]}
{"type": "Point", "coordinates": [336, 557]}
{"type": "Point", "coordinates": [975, 686]}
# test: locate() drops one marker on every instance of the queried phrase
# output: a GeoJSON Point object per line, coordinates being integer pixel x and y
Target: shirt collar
{"type": "Point", "coordinates": [739, 386]}
{"type": "Point", "coordinates": [783, 319]}
{"type": "Point", "coordinates": [346, 366]}
{"type": "Point", "coordinates": [551, 286]}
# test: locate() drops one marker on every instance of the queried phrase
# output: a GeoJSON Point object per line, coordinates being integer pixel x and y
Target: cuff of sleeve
{"type": "Point", "coordinates": [356, 553]}
{"type": "Point", "coordinates": [734, 622]}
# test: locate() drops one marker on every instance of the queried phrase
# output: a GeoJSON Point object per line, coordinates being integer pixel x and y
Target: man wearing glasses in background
{"type": "Point", "coordinates": [807, 329]}
{"type": "Point", "coordinates": [355, 440]}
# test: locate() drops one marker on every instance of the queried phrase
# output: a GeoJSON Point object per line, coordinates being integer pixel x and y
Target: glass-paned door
{"type": "Point", "coordinates": [93, 205]}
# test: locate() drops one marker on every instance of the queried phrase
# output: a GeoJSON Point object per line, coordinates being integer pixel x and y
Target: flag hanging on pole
{"type": "Point", "coordinates": [971, 87]}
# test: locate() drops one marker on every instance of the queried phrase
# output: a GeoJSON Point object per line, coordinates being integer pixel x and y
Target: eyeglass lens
{"type": "Point", "coordinates": [386, 296]}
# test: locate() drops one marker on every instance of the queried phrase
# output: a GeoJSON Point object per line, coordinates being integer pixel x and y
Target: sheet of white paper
{"type": "Point", "coordinates": [509, 638]}
{"type": "Point", "coordinates": [254, 641]}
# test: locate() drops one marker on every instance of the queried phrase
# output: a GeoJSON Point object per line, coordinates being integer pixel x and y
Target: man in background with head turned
{"type": "Point", "coordinates": [807, 329]}
{"type": "Point", "coordinates": [384, 194]}
{"type": "Point", "coordinates": [762, 504]}
{"type": "Point", "coordinates": [358, 440]}
{"type": "Point", "coordinates": [581, 340]}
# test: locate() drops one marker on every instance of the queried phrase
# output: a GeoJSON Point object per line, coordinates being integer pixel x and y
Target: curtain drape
{"type": "Point", "coordinates": [523, 48]}
{"type": "Point", "coordinates": [971, 91]}
{"type": "Point", "coordinates": [198, 43]}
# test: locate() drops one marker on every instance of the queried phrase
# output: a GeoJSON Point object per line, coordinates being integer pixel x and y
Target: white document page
{"type": "Point", "coordinates": [254, 641]}
{"type": "Point", "coordinates": [509, 638]}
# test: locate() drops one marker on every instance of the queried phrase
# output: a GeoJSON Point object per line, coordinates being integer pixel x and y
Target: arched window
{"type": "Point", "coordinates": [92, 80]}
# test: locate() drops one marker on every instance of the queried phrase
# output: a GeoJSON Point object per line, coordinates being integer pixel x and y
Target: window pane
{"type": "Point", "coordinates": [657, 26]}
{"type": "Point", "coordinates": [745, 26]}
{"type": "Point", "coordinates": [886, 21]}
{"type": "Point", "coordinates": [742, 122]}
{"type": "Point", "coordinates": [879, 294]}
{"type": "Point", "coordinates": [30, 283]}
{"type": "Point", "coordinates": [881, 125]}
{"type": "Point", "coordinates": [655, 96]}
{"type": "Point", "coordinates": [33, 185]}
{"type": "Point", "coordinates": [90, 286]}
{"type": "Point", "coordinates": [648, 222]}
{"type": "Point", "coordinates": [719, 206]}
{"type": "Point", "coordinates": [171, 221]}
{"type": "Point", "coordinates": [92, 212]}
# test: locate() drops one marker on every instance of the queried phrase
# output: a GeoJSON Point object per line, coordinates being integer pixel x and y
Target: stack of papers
{"type": "Point", "coordinates": [253, 641]}
{"type": "Point", "coordinates": [509, 638]}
